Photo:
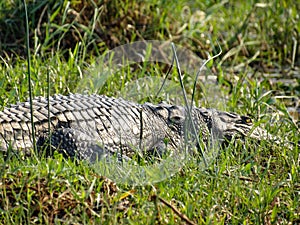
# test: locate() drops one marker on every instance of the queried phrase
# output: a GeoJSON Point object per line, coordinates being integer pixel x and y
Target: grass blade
{"type": "Point", "coordinates": [29, 77]}
{"type": "Point", "coordinates": [186, 103]}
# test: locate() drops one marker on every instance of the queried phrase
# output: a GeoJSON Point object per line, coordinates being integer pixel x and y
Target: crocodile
{"type": "Point", "coordinates": [90, 127]}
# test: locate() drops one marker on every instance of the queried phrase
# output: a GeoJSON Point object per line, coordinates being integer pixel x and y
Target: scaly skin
{"type": "Point", "coordinates": [93, 126]}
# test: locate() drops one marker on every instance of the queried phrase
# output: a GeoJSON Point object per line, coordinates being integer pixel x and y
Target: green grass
{"type": "Point", "coordinates": [248, 183]}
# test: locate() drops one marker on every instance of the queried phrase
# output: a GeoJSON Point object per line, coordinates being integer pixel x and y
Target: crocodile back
{"type": "Point", "coordinates": [114, 123]}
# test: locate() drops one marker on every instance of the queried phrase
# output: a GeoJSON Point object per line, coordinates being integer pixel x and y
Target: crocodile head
{"type": "Point", "coordinates": [221, 125]}
{"type": "Point", "coordinates": [211, 124]}
{"type": "Point", "coordinates": [225, 126]}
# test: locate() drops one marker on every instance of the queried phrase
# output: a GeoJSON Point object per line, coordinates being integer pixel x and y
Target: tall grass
{"type": "Point", "coordinates": [249, 183]}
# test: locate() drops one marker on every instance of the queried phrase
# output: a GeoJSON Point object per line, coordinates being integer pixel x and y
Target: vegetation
{"type": "Point", "coordinates": [257, 74]}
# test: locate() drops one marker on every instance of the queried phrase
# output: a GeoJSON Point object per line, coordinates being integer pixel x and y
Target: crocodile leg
{"type": "Point", "coordinates": [76, 143]}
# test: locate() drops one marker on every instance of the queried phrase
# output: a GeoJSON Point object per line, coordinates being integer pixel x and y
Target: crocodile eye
{"type": "Point", "coordinates": [176, 114]}
{"type": "Point", "coordinates": [246, 120]}
{"type": "Point", "coordinates": [159, 107]}
{"type": "Point", "coordinates": [176, 119]}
